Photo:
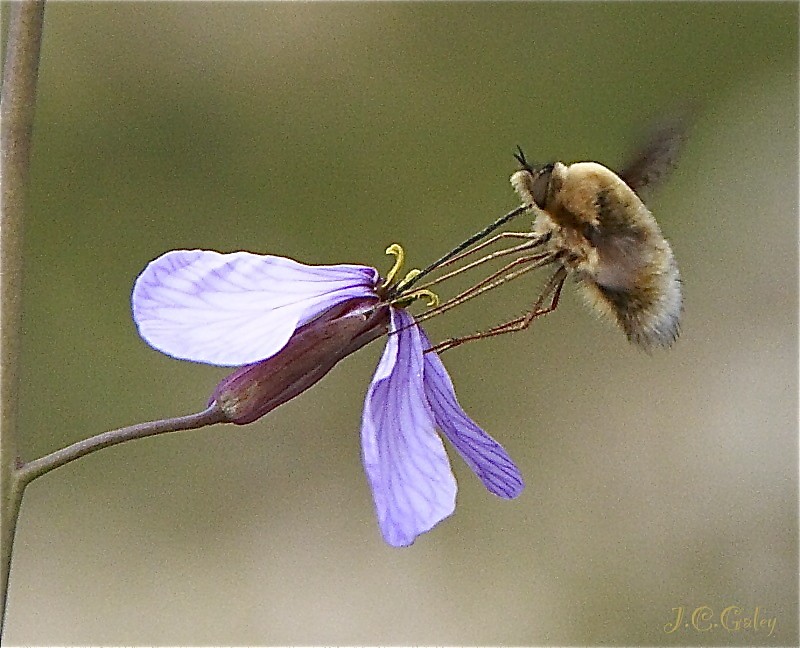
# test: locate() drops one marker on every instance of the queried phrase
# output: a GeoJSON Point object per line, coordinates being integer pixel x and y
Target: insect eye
{"type": "Point", "coordinates": [541, 184]}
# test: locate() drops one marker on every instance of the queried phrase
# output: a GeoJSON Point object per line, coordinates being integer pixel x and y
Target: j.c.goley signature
{"type": "Point", "coordinates": [731, 618]}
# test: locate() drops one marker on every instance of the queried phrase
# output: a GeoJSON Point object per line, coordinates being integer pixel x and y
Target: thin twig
{"type": "Point", "coordinates": [25, 473]}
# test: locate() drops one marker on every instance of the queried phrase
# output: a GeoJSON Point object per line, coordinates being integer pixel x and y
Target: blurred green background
{"type": "Point", "coordinates": [326, 132]}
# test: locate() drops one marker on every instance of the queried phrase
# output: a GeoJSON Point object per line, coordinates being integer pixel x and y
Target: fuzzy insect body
{"type": "Point", "coordinates": [611, 243]}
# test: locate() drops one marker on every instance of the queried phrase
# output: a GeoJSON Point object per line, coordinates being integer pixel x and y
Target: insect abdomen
{"type": "Point", "coordinates": [649, 313]}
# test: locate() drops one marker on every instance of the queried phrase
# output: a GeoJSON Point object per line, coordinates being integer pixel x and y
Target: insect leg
{"type": "Point", "coordinates": [494, 280]}
{"type": "Point", "coordinates": [552, 288]}
{"type": "Point", "coordinates": [532, 241]}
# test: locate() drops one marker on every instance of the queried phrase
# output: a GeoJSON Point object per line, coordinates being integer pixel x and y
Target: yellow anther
{"type": "Point", "coordinates": [433, 298]}
{"type": "Point", "coordinates": [400, 255]}
{"type": "Point", "coordinates": [404, 300]}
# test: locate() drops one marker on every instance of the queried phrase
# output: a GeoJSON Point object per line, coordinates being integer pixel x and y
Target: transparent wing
{"type": "Point", "coordinates": [652, 163]}
{"type": "Point", "coordinates": [233, 309]}
{"type": "Point", "coordinates": [405, 461]}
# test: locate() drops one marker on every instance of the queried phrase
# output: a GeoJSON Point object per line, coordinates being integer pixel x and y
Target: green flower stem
{"type": "Point", "coordinates": [17, 102]}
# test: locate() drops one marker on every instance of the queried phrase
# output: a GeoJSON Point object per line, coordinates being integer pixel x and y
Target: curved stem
{"type": "Point", "coordinates": [17, 103]}
{"type": "Point", "coordinates": [29, 471]}
{"type": "Point", "coordinates": [24, 473]}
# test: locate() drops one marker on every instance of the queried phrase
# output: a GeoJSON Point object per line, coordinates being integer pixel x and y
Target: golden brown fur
{"type": "Point", "coordinates": [611, 243]}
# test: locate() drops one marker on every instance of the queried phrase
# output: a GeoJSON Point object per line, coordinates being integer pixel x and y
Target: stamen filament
{"type": "Point", "coordinates": [399, 253]}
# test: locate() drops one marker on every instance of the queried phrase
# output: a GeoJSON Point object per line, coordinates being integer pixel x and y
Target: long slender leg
{"type": "Point", "coordinates": [493, 281]}
{"type": "Point", "coordinates": [534, 241]}
{"type": "Point", "coordinates": [472, 239]}
{"type": "Point", "coordinates": [536, 261]}
{"type": "Point", "coordinates": [552, 288]}
{"type": "Point", "coordinates": [530, 236]}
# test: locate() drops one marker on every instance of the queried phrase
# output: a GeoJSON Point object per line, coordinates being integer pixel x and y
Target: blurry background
{"type": "Point", "coordinates": [325, 133]}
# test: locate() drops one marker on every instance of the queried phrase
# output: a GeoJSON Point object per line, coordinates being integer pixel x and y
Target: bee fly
{"type": "Point", "coordinates": [592, 224]}
{"type": "Point", "coordinates": [610, 241]}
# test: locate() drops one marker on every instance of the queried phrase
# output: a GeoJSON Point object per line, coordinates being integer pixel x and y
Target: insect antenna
{"type": "Point", "coordinates": [520, 157]}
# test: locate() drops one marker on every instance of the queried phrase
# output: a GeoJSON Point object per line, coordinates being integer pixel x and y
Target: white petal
{"type": "Point", "coordinates": [233, 309]}
{"type": "Point", "coordinates": [405, 461]}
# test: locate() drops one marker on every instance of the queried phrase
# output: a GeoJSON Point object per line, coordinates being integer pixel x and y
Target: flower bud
{"type": "Point", "coordinates": [256, 389]}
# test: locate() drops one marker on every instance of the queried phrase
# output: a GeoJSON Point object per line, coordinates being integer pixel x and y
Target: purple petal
{"type": "Point", "coordinates": [487, 458]}
{"type": "Point", "coordinates": [234, 309]}
{"type": "Point", "coordinates": [405, 461]}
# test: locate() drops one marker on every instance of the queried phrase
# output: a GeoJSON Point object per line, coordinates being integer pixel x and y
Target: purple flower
{"type": "Point", "coordinates": [289, 324]}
